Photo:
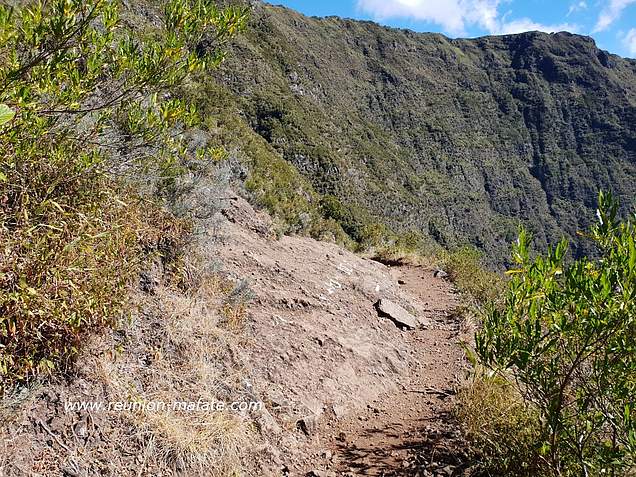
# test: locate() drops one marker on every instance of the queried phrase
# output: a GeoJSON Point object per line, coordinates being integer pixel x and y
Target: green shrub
{"type": "Point", "coordinates": [71, 237]}
{"type": "Point", "coordinates": [469, 274]}
{"type": "Point", "coordinates": [566, 336]}
{"type": "Point", "coordinates": [360, 226]}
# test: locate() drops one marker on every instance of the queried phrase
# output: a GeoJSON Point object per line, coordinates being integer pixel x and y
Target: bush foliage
{"type": "Point", "coordinates": [471, 276]}
{"type": "Point", "coordinates": [73, 76]}
{"type": "Point", "coordinates": [566, 336]}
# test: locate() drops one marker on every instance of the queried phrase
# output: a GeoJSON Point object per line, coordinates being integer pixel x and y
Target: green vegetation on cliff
{"type": "Point", "coordinates": [462, 140]}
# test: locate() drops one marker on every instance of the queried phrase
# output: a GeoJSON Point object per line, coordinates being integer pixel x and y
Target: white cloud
{"type": "Point", "coordinates": [610, 13]}
{"type": "Point", "coordinates": [482, 12]}
{"type": "Point", "coordinates": [577, 7]}
{"type": "Point", "coordinates": [525, 24]}
{"type": "Point", "coordinates": [454, 16]}
{"type": "Point", "coordinates": [629, 41]}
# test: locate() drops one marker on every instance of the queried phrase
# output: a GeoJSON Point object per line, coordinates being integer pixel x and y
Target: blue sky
{"type": "Point", "coordinates": [612, 23]}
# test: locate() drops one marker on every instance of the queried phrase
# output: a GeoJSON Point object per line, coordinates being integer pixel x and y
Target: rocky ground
{"type": "Point", "coordinates": [356, 361]}
{"type": "Point", "coordinates": [350, 391]}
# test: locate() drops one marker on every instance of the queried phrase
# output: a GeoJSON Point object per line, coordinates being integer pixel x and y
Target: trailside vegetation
{"type": "Point", "coordinates": [79, 84]}
{"type": "Point", "coordinates": [564, 339]}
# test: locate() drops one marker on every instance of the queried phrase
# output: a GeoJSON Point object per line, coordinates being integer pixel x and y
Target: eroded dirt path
{"type": "Point", "coordinates": [409, 431]}
{"type": "Point", "coordinates": [348, 392]}
{"type": "Point", "coordinates": [345, 390]}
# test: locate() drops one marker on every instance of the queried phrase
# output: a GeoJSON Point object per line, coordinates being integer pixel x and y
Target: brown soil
{"type": "Point", "coordinates": [346, 391]}
{"type": "Point", "coordinates": [410, 431]}
{"type": "Point", "coordinates": [366, 398]}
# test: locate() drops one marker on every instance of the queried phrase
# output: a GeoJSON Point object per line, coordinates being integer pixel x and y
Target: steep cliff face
{"type": "Point", "coordinates": [461, 139]}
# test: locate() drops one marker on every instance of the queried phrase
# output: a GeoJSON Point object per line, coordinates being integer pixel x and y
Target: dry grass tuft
{"type": "Point", "coordinates": [195, 362]}
{"type": "Point", "coordinates": [501, 428]}
{"type": "Point", "coordinates": [208, 443]}
{"type": "Point", "coordinates": [235, 316]}
{"type": "Point", "coordinates": [179, 349]}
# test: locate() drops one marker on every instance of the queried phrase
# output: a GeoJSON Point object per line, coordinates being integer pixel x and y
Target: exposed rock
{"type": "Point", "coordinates": [317, 473]}
{"type": "Point", "coordinates": [179, 464]}
{"type": "Point", "coordinates": [266, 422]}
{"type": "Point", "coordinates": [320, 473]}
{"type": "Point", "coordinates": [449, 470]}
{"type": "Point", "coordinates": [397, 314]}
{"type": "Point", "coordinates": [339, 411]}
{"type": "Point", "coordinates": [440, 273]}
{"type": "Point", "coordinates": [307, 424]}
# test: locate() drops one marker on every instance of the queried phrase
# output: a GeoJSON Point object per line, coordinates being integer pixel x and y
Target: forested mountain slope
{"type": "Point", "coordinates": [460, 139]}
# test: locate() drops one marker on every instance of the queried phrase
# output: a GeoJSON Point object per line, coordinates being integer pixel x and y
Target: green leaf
{"type": "Point", "coordinates": [632, 252]}
{"type": "Point", "coordinates": [6, 114]}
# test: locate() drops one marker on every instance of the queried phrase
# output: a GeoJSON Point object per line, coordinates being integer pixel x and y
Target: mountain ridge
{"type": "Point", "coordinates": [461, 139]}
{"type": "Point", "coordinates": [447, 37]}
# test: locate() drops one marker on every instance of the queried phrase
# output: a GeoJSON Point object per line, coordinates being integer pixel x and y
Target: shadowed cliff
{"type": "Point", "coordinates": [461, 139]}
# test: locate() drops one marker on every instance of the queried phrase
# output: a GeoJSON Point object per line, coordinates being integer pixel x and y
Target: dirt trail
{"type": "Point", "coordinates": [349, 393]}
{"type": "Point", "coordinates": [410, 431]}
{"type": "Point", "coordinates": [346, 391]}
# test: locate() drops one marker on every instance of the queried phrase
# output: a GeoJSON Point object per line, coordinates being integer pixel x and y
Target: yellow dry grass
{"type": "Point", "coordinates": [500, 427]}
{"type": "Point", "coordinates": [190, 359]}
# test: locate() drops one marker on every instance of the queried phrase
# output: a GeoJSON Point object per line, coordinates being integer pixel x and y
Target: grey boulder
{"type": "Point", "coordinates": [397, 314]}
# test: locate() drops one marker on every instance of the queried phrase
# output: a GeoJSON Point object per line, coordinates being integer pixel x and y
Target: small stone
{"type": "Point", "coordinates": [339, 411]}
{"type": "Point", "coordinates": [307, 425]}
{"type": "Point", "coordinates": [266, 422]}
{"type": "Point", "coordinates": [439, 273]}
{"type": "Point", "coordinates": [316, 473]}
{"type": "Point", "coordinates": [81, 428]}
{"type": "Point", "coordinates": [448, 470]}
{"type": "Point", "coordinates": [179, 464]}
